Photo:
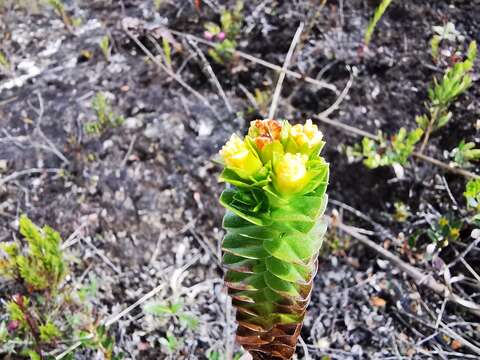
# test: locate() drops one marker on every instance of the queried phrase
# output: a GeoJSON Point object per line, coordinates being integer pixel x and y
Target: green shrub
{"type": "Point", "coordinates": [43, 308]}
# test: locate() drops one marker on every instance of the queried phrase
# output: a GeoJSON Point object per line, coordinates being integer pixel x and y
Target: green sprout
{"type": "Point", "coordinates": [443, 93]}
{"type": "Point", "coordinates": [464, 154]}
{"type": "Point", "coordinates": [4, 63]}
{"type": "Point", "coordinates": [472, 194]}
{"type": "Point", "coordinates": [105, 47]}
{"type": "Point", "coordinates": [42, 267]}
{"type": "Point", "coordinates": [59, 8]}
{"type": "Point", "coordinates": [402, 212]}
{"type": "Point", "coordinates": [444, 231]}
{"type": "Point", "coordinates": [375, 19]}
{"type": "Point", "coordinates": [167, 50]}
{"type": "Point", "coordinates": [275, 229]}
{"type": "Point", "coordinates": [384, 152]}
{"type": "Point", "coordinates": [174, 311]}
{"type": "Point", "coordinates": [443, 33]}
{"type": "Point", "coordinates": [225, 34]}
{"type": "Point", "coordinates": [106, 117]}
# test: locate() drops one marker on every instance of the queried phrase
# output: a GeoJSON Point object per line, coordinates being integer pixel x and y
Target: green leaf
{"type": "Point", "coordinates": [280, 286]}
{"type": "Point", "coordinates": [33, 355]}
{"type": "Point", "coordinates": [167, 50]}
{"type": "Point", "coordinates": [213, 28]}
{"type": "Point", "coordinates": [226, 19]}
{"type": "Point", "coordinates": [289, 272]}
{"type": "Point", "coordinates": [296, 248]}
{"type": "Point", "coordinates": [244, 281]}
{"type": "Point", "coordinates": [230, 200]}
{"type": "Point", "coordinates": [162, 309]}
{"type": "Point", "coordinates": [189, 321]}
{"type": "Point", "coordinates": [49, 331]}
{"type": "Point", "coordinates": [376, 17]}
{"type": "Point", "coordinates": [251, 252]}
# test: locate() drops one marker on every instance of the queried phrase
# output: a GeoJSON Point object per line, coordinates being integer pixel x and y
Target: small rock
{"type": "Point", "coordinates": [357, 349]}
{"type": "Point", "coordinates": [107, 144]}
{"type": "Point", "coordinates": [133, 123]}
{"type": "Point", "coordinates": [205, 128]}
{"type": "Point", "coordinates": [4, 166]}
{"type": "Point", "coordinates": [323, 343]}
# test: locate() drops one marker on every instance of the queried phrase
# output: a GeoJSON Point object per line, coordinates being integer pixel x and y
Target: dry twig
{"type": "Point", "coordinates": [170, 73]}
{"type": "Point", "coordinates": [288, 58]}
{"type": "Point", "coordinates": [308, 79]}
{"type": "Point", "coordinates": [210, 71]}
{"type": "Point", "coordinates": [417, 275]}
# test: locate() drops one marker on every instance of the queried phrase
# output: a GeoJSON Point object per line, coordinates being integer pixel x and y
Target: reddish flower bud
{"type": "Point", "coordinates": [13, 325]}
{"type": "Point", "coordinates": [208, 35]}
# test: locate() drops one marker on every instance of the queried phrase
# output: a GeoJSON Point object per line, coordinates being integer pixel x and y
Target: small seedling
{"type": "Point", "coordinates": [173, 311]}
{"type": "Point", "coordinates": [105, 47]}
{"type": "Point", "coordinates": [443, 33]}
{"type": "Point", "coordinates": [225, 34]}
{"type": "Point", "coordinates": [464, 154]}
{"type": "Point", "coordinates": [375, 19]}
{"type": "Point", "coordinates": [4, 63]}
{"type": "Point", "coordinates": [472, 194]}
{"type": "Point", "coordinates": [444, 231]}
{"type": "Point", "coordinates": [167, 50]}
{"type": "Point", "coordinates": [101, 341]}
{"type": "Point", "coordinates": [106, 118]}
{"type": "Point", "coordinates": [402, 212]}
{"type": "Point", "coordinates": [384, 152]}
{"type": "Point", "coordinates": [443, 93]}
{"type": "Point", "coordinates": [59, 8]}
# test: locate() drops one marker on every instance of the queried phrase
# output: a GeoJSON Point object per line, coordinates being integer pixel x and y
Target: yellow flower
{"type": "Point", "coordinates": [291, 173]}
{"type": "Point", "coordinates": [240, 158]}
{"type": "Point", "coordinates": [454, 233]}
{"type": "Point", "coordinates": [305, 137]}
{"type": "Point", "coordinates": [443, 221]}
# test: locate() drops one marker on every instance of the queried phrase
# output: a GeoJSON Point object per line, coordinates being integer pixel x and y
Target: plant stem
{"type": "Point", "coordinates": [31, 324]}
{"type": "Point", "coordinates": [428, 131]}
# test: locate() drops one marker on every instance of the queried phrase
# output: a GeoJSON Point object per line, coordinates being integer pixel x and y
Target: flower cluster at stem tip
{"type": "Point", "coordinates": [275, 148]}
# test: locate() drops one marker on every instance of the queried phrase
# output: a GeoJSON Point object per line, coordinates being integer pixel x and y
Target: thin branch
{"type": "Point", "coordinates": [256, 60]}
{"type": "Point", "coordinates": [349, 129]}
{"type": "Point", "coordinates": [446, 167]}
{"type": "Point", "coordinates": [472, 271]}
{"type": "Point", "coordinates": [210, 71]}
{"type": "Point", "coordinates": [129, 151]}
{"type": "Point", "coordinates": [21, 173]}
{"type": "Point", "coordinates": [417, 275]}
{"type": "Point", "coordinates": [175, 76]}
{"type": "Point", "coordinates": [286, 63]}
{"type": "Point", "coordinates": [51, 146]}
{"type": "Point", "coordinates": [341, 97]}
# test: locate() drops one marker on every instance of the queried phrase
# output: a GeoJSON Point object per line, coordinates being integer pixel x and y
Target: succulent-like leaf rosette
{"type": "Point", "coordinates": [274, 230]}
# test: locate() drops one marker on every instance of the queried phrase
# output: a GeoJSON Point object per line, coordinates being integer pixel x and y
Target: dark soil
{"type": "Point", "coordinates": [148, 189]}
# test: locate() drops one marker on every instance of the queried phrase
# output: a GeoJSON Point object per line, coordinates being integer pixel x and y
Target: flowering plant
{"type": "Point", "coordinates": [274, 230]}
